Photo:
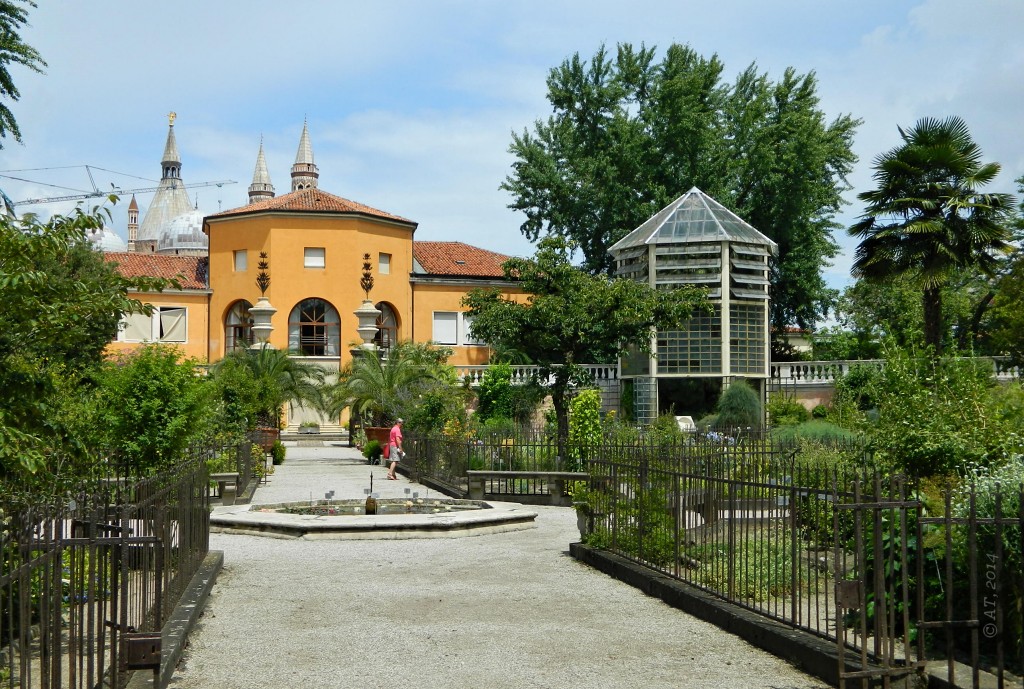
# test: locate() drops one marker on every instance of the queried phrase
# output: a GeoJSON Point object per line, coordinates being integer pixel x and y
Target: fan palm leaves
{"type": "Point", "coordinates": [275, 378]}
{"type": "Point", "coordinates": [927, 219]}
{"type": "Point", "coordinates": [381, 390]}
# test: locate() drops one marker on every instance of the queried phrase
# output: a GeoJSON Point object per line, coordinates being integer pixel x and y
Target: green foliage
{"type": "Point", "coordinates": [629, 133]}
{"type": "Point", "coordinates": [739, 407]}
{"type": "Point", "coordinates": [373, 450]}
{"type": "Point", "coordinates": [254, 384]}
{"type": "Point", "coordinates": [573, 317]}
{"type": "Point", "coordinates": [1008, 316]}
{"type": "Point", "coordinates": [278, 452]}
{"type": "Point", "coordinates": [927, 220]}
{"type": "Point", "coordinates": [495, 393]}
{"type": "Point", "coordinates": [762, 566]}
{"type": "Point", "coordinates": [380, 391]}
{"type": "Point", "coordinates": [815, 430]}
{"type": "Point", "coordinates": [988, 486]}
{"type": "Point", "coordinates": [62, 303]}
{"type": "Point", "coordinates": [936, 416]}
{"type": "Point", "coordinates": [584, 427]}
{"type": "Point", "coordinates": [785, 410]}
{"type": "Point", "coordinates": [13, 16]}
{"type": "Point", "coordinates": [153, 404]}
{"type": "Point", "coordinates": [820, 411]}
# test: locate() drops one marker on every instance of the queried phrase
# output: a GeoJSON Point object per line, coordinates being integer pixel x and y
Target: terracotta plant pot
{"type": "Point", "coordinates": [266, 437]}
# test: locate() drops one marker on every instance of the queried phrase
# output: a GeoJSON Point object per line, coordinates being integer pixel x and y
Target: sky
{"type": "Point", "coordinates": [411, 105]}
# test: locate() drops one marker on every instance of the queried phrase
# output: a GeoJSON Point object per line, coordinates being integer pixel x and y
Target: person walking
{"type": "Point", "coordinates": [395, 451]}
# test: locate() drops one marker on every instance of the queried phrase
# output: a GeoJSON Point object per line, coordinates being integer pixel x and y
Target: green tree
{"type": "Point", "coordinates": [739, 407]}
{"type": "Point", "coordinates": [927, 220]}
{"type": "Point", "coordinates": [153, 403]}
{"type": "Point", "coordinates": [1007, 326]}
{"type": "Point", "coordinates": [61, 306]}
{"type": "Point", "coordinates": [13, 16]}
{"type": "Point", "coordinates": [255, 383]}
{"type": "Point", "coordinates": [628, 134]}
{"type": "Point", "coordinates": [573, 317]}
{"type": "Point", "coordinates": [381, 390]}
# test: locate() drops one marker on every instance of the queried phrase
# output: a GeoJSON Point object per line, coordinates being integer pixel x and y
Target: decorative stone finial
{"type": "Point", "coordinates": [170, 117]}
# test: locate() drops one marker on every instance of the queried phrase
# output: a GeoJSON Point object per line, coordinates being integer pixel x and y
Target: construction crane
{"type": "Point", "coordinates": [97, 192]}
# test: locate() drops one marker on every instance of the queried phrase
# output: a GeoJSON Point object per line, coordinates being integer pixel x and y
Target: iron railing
{"type": "Point", "coordinates": [87, 582]}
{"type": "Point", "coordinates": [832, 550]}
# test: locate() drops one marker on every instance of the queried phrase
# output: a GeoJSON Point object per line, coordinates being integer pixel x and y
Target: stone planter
{"type": "Point", "coordinates": [584, 519]}
{"type": "Point", "coordinates": [309, 430]}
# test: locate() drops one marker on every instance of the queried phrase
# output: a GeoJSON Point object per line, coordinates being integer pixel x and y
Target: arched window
{"type": "Point", "coordinates": [238, 326]}
{"type": "Point", "coordinates": [387, 327]}
{"type": "Point", "coordinates": [314, 329]}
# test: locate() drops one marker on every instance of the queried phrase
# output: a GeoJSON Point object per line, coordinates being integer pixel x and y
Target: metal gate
{"type": "Point", "coordinates": [874, 534]}
{"type": "Point", "coordinates": [904, 596]}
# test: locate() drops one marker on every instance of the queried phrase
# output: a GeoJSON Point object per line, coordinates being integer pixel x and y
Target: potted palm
{"type": "Point", "coordinates": [262, 381]}
{"type": "Point", "coordinates": [378, 391]}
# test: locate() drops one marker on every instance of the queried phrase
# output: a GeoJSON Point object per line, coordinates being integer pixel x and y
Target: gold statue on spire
{"type": "Point", "coordinates": [170, 117]}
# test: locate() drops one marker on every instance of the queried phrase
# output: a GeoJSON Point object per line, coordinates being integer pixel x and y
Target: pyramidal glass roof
{"type": "Point", "coordinates": [693, 217]}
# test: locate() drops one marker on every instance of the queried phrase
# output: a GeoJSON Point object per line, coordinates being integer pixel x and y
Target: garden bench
{"type": "Point", "coordinates": [556, 480]}
{"type": "Point", "coordinates": [227, 486]}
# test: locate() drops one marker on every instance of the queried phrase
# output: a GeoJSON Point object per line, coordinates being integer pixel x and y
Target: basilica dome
{"type": "Point", "coordinates": [105, 239]}
{"type": "Point", "coordinates": [183, 235]}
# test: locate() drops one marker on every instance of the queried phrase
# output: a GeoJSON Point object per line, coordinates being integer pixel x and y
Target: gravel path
{"type": "Point", "coordinates": [507, 610]}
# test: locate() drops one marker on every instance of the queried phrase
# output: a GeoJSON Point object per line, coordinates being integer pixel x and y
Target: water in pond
{"type": "Point", "coordinates": [343, 508]}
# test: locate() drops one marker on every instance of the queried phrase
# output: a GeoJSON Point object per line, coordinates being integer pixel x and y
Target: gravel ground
{"type": "Point", "coordinates": [506, 610]}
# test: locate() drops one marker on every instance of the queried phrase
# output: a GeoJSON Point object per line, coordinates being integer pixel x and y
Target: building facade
{"type": "Point", "coordinates": [311, 245]}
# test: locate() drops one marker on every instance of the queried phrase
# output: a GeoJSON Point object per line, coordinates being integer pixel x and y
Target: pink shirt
{"type": "Point", "coordinates": [396, 435]}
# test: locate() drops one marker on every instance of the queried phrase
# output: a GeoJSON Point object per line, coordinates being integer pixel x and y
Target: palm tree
{"type": "Point", "coordinates": [380, 390]}
{"type": "Point", "coordinates": [276, 378]}
{"type": "Point", "coordinates": [927, 220]}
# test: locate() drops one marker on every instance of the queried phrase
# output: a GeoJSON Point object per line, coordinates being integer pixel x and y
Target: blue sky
{"type": "Point", "coordinates": [411, 105]}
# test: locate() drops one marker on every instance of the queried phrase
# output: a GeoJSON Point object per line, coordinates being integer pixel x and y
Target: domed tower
{"type": "Point", "coordinates": [261, 188]}
{"type": "Point", "coordinates": [304, 171]}
{"type": "Point", "coordinates": [170, 200]}
{"type": "Point", "coordinates": [183, 236]}
{"type": "Point", "coordinates": [133, 223]}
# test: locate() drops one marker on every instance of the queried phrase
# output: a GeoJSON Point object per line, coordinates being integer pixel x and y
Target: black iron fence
{"type": "Point", "coordinates": [894, 579]}
{"type": "Point", "coordinates": [87, 582]}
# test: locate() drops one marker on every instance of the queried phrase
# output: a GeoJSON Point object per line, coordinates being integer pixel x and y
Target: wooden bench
{"type": "Point", "coordinates": [556, 480]}
{"type": "Point", "coordinates": [227, 486]}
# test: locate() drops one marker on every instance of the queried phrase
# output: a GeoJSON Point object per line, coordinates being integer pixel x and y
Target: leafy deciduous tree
{"type": "Point", "coordinates": [574, 317]}
{"type": "Point", "coordinates": [61, 306]}
{"type": "Point", "coordinates": [13, 15]}
{"type": "Point", "coordinates": [629, 134]}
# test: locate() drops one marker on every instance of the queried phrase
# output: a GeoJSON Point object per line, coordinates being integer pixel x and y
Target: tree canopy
{"type": "Point", "coordinates": [13, 15]}
{"type": "Point", "coordinates": [62, 303]}
{"type": "Point", "coordinates": [628, 134]}
{"type": "Point", "coordinates": [927, 220]}
{"type": "Point", "coordinates": [573, 317]}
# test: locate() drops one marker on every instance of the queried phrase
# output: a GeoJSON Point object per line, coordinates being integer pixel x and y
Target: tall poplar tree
{"type": "Point", "coordinates": [628, 134]}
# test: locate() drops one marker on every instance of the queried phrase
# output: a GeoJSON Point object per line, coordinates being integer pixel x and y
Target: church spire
{"type": "Point", "coordinates": [171, 162]}
{"type": "Point", "coordinates": [304, 171]}
{"type": "Point", "coordinates": [261, 188]}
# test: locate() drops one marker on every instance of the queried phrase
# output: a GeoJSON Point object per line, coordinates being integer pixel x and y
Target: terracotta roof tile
{"type": "Point", "coordinates": [311, 200]}
{"type": "Point", "coordinates": [194, 271]}
{"type": "Point", "coordinates": [456, 258]}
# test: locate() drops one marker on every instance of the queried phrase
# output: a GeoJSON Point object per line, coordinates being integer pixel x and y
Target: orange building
{"type": "Point", "coordinates": [313, 244]}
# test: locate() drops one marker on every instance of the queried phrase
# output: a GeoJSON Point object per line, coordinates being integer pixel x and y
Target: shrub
{"type": "Point", "coordinates": [784, 410]}
{"type": "Point", "coordinates": [739, 407]}
{"type": "Point", "coordinates": [816, 430]}
{"type": "Point", "coordinates": [154, 403]}
{"type": "Point", "coordinates": [584, 426]}
{"type": "Point", "coordinates": [373, 450]}
{"type": "Point", "coordinates": [820, 411]}
{"type": "Point", "coordinates": [278, 452]}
